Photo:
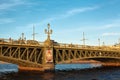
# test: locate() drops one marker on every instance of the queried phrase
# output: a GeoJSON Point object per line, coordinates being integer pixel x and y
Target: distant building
{"type": "Point", "coordinates": [117, 45]}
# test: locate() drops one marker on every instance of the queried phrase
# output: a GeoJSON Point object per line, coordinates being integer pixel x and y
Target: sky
{"type": "Point", "coordinates": [68, 19]}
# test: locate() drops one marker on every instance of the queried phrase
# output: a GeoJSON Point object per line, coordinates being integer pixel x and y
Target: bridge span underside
{"type": "Point", "coordinates": [67, 55]}
{"type": "Point", "coordinates": [22, 55]}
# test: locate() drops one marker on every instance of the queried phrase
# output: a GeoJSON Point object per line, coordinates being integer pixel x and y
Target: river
{"type": "Point", "coordinates": [62, 72]}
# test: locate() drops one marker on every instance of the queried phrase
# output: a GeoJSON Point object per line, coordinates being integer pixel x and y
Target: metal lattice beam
{"type": "Point", "coordinates": [68, 54]}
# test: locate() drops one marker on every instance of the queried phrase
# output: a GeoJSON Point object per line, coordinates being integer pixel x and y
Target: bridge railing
{"type": "Point", "coordinates": [60, 45]}
{"type": "Point", "coordinates": [64, 45]}
{"type": "Point", "coordinates": [21, 42]}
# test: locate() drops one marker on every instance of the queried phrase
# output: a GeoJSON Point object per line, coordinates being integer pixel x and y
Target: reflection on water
{"type": "Point", "coordinates": [8, 68]}
{"type": "Point", "coordinates": [101, 73]}
{"type": "Point", "coordinates": [75, 66]}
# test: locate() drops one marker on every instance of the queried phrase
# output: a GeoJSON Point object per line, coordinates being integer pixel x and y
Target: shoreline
{"type": "Point", "coordinates": [111, 64]}
{"type": "Point", "coordinates": [1, 62]}
{"type": "Point", "coordinates": [30, 69]}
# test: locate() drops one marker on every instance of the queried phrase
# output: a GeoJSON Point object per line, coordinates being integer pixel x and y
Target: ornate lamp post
{"type": "Point", "coordinates": [48, 32]}
{"type": "Point", "coordinates": [48, 42]}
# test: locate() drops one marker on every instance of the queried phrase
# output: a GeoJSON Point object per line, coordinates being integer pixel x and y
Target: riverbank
{"type": "Point", "coordinates": [83, 62]}
{"type": "Point", "coordinates": [111, 64]}
{"type": "Point", "coordinates": [30, 69]}
{"type": "Point", "coordinates": [1, 62]}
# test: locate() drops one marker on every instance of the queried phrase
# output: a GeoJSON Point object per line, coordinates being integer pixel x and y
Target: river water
{"type": "Point", "coordinates": [62, 72]}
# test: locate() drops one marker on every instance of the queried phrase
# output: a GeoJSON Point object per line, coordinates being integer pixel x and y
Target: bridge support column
{"type": "Point", "coordinates": [48, 61]}
{"type": "Point", "coordinates": [1, 50]}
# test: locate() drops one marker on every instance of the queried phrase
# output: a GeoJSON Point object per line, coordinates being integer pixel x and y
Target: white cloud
{"type": "Point", "coordinates": [69, 13]}
{"type": "Point", "coordinates": [111, 34]}
{"type": "Point", "coordinates": [64, 15]}
{"type": "Point", "coordinates": [109, 26]}
{"type": "Point", "coordinates": [6, 20]}
{"type": "Point", "coordinates": [75, 11]}
{"type": "Point", "coordinates": [80, 10]}
{"type": "Point", "coordinates": [11, 3]}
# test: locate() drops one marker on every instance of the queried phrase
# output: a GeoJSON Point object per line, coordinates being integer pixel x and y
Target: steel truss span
{"type": "Point", "coordinates": [66, 55]}
{"type": "Point", "coordinates": [22, 55]}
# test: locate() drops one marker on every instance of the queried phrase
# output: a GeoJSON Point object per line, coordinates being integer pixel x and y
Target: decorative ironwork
{"type": "Point", "coordinates": [48, 32]}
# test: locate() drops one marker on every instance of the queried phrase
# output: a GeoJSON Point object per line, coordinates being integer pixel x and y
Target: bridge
{"type": "Point", "coordinates": [34, 55]}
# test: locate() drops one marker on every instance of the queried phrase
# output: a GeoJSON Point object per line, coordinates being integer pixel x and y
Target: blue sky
{"type": "Point", "coordinates": [68, 19]}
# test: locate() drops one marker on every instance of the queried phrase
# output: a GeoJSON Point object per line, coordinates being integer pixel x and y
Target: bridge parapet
{"type": "Point", "coordinates": [77, 46]}
{"type": "Point", "coordinates": [21, 42]}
